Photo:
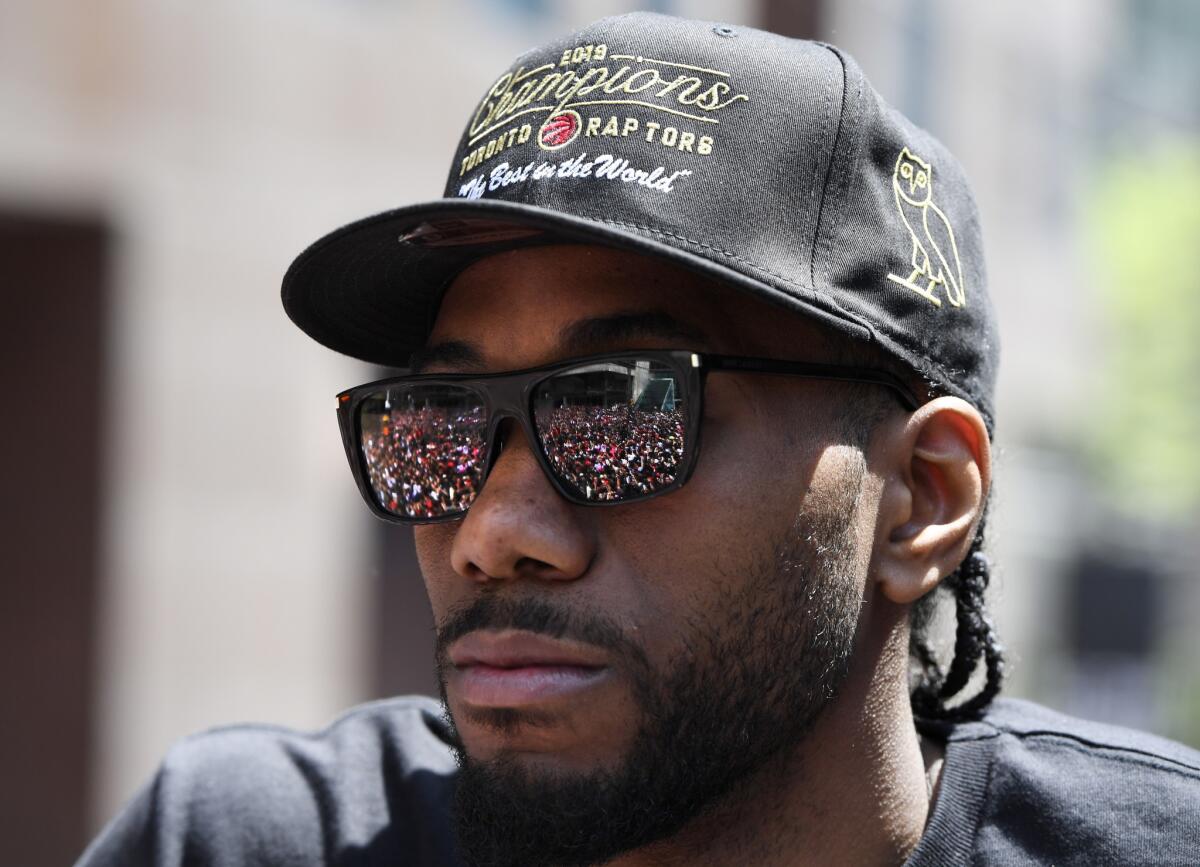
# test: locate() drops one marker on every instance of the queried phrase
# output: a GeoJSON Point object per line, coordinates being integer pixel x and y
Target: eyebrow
{"type": "Point", "coordinates": [448, 353]}
{"type": "Point", "coordinates": [602, 331]}
{"type": "Point", "coordinates": [582, 337]}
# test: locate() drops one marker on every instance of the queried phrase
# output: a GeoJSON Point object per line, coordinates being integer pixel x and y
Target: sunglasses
{"type": "Point", "coordinates": [606, 429]}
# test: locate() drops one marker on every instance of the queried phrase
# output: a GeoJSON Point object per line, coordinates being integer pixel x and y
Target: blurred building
{"type": "Point", "coordinates": [183, 544]}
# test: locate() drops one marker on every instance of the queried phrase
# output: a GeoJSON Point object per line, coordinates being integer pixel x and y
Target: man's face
{"type": "Point", "coordinates": [705, 629]}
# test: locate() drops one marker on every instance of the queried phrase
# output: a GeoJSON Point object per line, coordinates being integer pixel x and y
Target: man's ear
{"type": "Point", "coordinates": [936, 472]}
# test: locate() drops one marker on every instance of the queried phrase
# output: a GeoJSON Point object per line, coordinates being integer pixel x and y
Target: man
{"type": "Point", "coordinates": [695, 429]}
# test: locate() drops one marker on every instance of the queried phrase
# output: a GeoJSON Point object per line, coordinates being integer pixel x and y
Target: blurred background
{"type": "Point", "coordinates": [182, 542]}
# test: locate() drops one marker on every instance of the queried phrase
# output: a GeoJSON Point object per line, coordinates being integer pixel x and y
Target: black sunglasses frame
{"type": "Point", "coordinates": [510, 395]}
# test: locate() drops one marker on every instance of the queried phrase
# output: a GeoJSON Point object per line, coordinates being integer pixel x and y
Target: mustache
{"type": "Point", "coordinates": [540, 616]}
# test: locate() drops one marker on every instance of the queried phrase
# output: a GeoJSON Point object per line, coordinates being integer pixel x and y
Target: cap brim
{"type": "Point", "coordinates": [366, 291]}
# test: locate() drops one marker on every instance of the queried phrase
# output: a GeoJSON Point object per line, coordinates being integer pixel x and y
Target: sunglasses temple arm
{"type": "Point", "coordinates": [813, 370]}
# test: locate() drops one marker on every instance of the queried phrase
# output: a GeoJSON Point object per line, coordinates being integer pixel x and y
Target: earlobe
{"type": "Point", "coordinates": [933, 497]}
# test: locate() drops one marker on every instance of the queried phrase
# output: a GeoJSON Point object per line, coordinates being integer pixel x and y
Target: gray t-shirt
{"type": "Point", "coordinates": [1024, 785]}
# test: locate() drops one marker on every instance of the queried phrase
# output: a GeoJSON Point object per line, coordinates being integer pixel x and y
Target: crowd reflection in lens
{"type": "Point", "coordinates": [424, 463]}
{"type": "Point", "coordinates": [613, 453]}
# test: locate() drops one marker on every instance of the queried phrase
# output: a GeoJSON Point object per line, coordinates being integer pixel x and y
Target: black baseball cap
{"type": "Point", "coordinates": [765, 162]}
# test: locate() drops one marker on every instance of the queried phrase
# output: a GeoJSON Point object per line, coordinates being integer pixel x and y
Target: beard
{"type": "Point", "coordinates": [759, 668]}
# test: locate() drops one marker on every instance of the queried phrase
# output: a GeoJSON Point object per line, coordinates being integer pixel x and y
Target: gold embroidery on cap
{"type": "Point", "coordinates": [640, 59]}
{"type": "Point", "coordinates": [552, 89]}
{"type": "Point", "coordinates": [934, 251]}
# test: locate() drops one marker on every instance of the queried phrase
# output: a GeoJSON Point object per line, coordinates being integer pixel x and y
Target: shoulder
{"type": "Point", "coordinates": [1023, 727]}
{"type": "Point", "coordinates": [404, 735]}
{"type": "Point", "coordinates": [375, 782]}
{"type": "Point", "coordinates": [1038, 786]}
{"type": "Point", "coordinates": [1041, 750]}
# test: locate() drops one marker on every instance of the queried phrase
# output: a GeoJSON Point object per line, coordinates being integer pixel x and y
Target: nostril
{"type": "Point", "coordinates": [531, 567]}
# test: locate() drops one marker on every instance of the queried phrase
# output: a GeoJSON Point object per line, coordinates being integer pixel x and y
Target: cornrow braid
{"type": "Point", "coordinates": [975, 640]}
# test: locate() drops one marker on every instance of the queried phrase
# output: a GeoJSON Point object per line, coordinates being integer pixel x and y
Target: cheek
{"type": "Point", "coordinates": [433, 543]}
{"type": "Point", "coordinates": [692, 548]}
{"type": "Point", "coordinates": [754, 473]}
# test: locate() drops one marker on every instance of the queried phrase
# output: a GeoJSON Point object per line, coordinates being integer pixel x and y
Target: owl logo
{"type": "Point", "coordinates": [934, 252]}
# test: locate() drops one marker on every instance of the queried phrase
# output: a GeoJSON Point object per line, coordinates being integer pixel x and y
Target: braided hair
{"type": "Point", "coordinates": [936, 693]}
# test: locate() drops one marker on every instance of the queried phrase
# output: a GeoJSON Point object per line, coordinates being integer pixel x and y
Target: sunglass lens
{"type": "Point", "coordinates": [424, 447]}
{"type": "Point", "coordinates": [613, 431]}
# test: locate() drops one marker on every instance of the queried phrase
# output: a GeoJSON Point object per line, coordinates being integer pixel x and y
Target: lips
{"type": "Point", "coordinates": [513, 668]}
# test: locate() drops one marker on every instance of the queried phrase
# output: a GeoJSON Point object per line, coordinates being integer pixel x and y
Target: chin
{"type": "Point", "coordinates": [570, 739]}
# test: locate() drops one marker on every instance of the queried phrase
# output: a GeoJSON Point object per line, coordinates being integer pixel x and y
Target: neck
{"type": "Point", "coordinates": [854, 791]}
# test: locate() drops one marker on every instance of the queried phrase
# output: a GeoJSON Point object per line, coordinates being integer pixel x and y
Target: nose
{"type": "Point", "coordinates": [519, 526]}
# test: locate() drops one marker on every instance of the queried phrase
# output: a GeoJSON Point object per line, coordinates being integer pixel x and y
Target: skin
{"type": "Point", "coordinates": [771, 449]}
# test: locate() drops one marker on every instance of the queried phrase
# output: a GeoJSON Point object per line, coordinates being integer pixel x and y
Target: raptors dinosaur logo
{"type": "Point", "coordinates": [560, 130]}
